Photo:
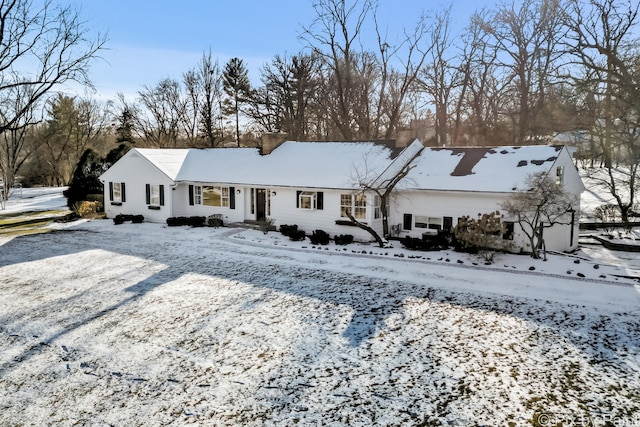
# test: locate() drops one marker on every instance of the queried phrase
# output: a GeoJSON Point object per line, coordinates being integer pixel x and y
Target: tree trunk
{"type": "Point", "coordinates": [366, 228]}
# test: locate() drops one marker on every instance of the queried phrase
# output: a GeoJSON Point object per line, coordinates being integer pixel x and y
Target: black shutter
{"type": "Point", "coordinates": [110, 191]}
{"type": "Point", "coordinates": [298, 198]}
{"type": "Point", "coordinates": [232, 197]}
{"type": "Point", "coordinates": [320, 200]}
{"type": "Point", "coordinates": [162, 195]}
{"type": "Point", "coordinates": [407, 222]}
{"type": "Point", "coordinates": [123, 197]}
{"type": "Point", "coordinates": [191, 195]}
{"type": "Point", "coordinates": [148, 188]}
{"type": "Point", "coordinates": [447, 223]}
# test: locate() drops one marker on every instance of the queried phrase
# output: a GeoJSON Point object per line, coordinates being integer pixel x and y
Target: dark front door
{"type": "Point", "coordinates": [261, 204]}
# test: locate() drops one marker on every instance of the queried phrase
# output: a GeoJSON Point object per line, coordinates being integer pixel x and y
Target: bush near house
{"type": "Point", "coordinates": [215, 221]}
{"type": "Point", "coordinates": [427, 242]}
{"type": "Point", "coordinates": [87, 209]}
{"type": "Point", "coordinates": [287, 230]}
{"type": "Point", "coordinates": [121, 218]}
{"type": "Point", "coordinates": [483, 236]}
{"type": "Point", "coordinates": [319, 237]}
{"type": "Point", "coordinates": [297, 235]}
{"type": "Point", "coordinates": [343, 239]}
{"type": "Point", "coordinates": [193, 221]}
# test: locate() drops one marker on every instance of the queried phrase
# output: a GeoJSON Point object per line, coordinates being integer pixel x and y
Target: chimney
{"type": "Point", "coordinates": [271, 141]}
{"type": "Point", "coordinates": [404, 137]}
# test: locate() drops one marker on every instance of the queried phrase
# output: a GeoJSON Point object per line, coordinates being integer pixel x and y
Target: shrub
{"type": "Point", "coordinates": [215, 220]}
{"type": "Point", "coordinates": [175, 221]}
{"type": "Point", "coordinates": [343, 239]}
{"type": "Point", "coordinates": [319, 237]}
{"type": "Point", "coordinates": [193, 221]}
{"type": "Point", "coordinates": [121, 218]}
{"type": "Point", "coordinates": [427, 242]}
{"type": "Point", "coordinates": [86, 209]}
{"type": "Point", "coordinates": [297, 235]}
{"type": "Point", "coordinates": [267, 225]}
{"type": "Point", "coordinates": [196, 221]}
{"type": "Point", "coordinates": [483, 236]}
{"type": "Point", "coordinates": [287, 230]}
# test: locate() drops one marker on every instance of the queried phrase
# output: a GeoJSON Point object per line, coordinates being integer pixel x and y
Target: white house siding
{"type": "Point", "coordinates": [437, 204]}
{"type": "Point", "coordinates": [440, 204]}
{"type": "Point", "coordinates": [284, 210]}
{"type": "Point", "coordinates": [135, 172]}
{"type": "Point", "coordinates": [229, 215]}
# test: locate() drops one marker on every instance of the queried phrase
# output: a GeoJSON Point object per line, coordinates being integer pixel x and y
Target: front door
{"type": "Point", "coordinates": [261, 204]}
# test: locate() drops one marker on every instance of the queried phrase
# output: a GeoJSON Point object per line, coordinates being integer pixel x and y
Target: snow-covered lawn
{"type": "Point", "coordinates": [143, 324]}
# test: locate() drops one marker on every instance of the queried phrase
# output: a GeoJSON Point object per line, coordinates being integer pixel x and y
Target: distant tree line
{"type": "Point", "coordinates": [516, 74]}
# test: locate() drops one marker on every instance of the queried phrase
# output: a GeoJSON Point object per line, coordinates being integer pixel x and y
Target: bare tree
{"type": "Point", "coordinates": [287, 100]}
{"type": "Point", "coordinates": [203, 86]}
{"type": "Point", "coordinates": [440, 75]}
{"type": "Point", "coordinates": [15, 148]}
{"type": "Point", "coordinates": [161, 117]}
{"type": "Point", "coordinates": [41, 47]}
{"type": "Point", "coordinates": [602, 39]}
{"type": "Point", "coordinates": [363, 94]}
{"type": "Point", "coordinates": [480, 95]}
{"type": "Point", "coordinates": [382, 186]}
{"type": "Point", "coordinates": [526, 38]}
{"type": "Point", "coordinates": [542, 204]}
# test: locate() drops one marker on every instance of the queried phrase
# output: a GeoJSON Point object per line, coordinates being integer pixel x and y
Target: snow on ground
{"type": "Point", "coordinates": [143, 324]}
{"type": "Point", "coordinates": [34, 199]}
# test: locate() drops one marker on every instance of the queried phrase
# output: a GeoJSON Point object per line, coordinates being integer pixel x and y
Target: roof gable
{"type": "Point", "coordinates": [168, 160]}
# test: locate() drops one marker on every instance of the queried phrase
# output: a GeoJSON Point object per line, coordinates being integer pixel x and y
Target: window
{"type": "Point", "coordinates": [215, 196]}
{"type": "Point", "coordinates": [354, 203]}
{"type": "Point", "coordinates": [345, 204]}
{"type": "Point", "coordinates": [307, 200]}
{"type": "Point", "coordinates": [509, 228]}
{"type": "Point", "coordinates": [117, 193]}
{"type": "Point", "coordinates": [360, 204]}
{"type": "Point", "coordinates": [310, 200]}
{"type": "Point", "coordinates": [429, 222]}
{"type": "Point", "coordinates": [377, 212]}
{"type": "Point", "coordinates": [208, 195]}
{"type": "Point", "coordinates": [155, 195]}
{"type": "Point", "coordinates": [560, 175]}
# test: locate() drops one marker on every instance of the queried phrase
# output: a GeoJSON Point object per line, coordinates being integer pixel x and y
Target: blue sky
{"type": "Point", "coordinates": [151, 40]}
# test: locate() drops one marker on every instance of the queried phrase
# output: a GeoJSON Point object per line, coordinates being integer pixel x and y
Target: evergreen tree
{"type": "Point", "coordinates": [86, 178]}
{"type": "Point", "coordinates": [124, 131]}
{"type": "Point", "coordinates": [237, 87]}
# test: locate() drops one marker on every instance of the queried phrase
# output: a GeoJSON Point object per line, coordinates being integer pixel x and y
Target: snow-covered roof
{"type": "Point", "coordinates": [168, 160]}
{"type": "Point", "coordinates": [482, 169]}
{"type": "Point", "coordinates": [296, 164]}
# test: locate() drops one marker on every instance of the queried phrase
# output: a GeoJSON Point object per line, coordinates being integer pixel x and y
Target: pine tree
{"type": "Point", "coordinates": [237, 87]}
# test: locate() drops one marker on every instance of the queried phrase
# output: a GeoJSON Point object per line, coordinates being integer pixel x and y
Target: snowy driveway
{"type": "Point", "coordinates": [148, 325]}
